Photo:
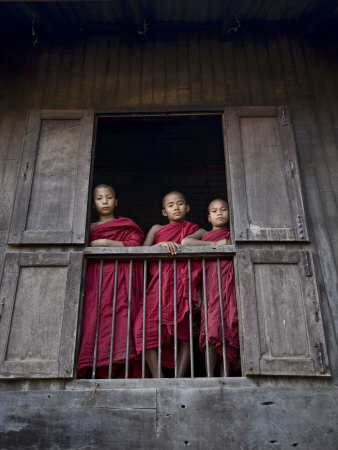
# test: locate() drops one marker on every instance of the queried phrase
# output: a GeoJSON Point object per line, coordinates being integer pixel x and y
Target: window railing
{"type": "Point", "coordinates": [144, 256]}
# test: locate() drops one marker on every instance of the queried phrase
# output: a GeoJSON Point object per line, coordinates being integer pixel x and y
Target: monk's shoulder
{"type": "Point", "coordinates": [93, 225]}
{"type": "Point", "coordinates": [156, 227]}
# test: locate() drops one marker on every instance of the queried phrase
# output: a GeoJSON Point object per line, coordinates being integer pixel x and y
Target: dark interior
{"type": "Point", "coordinates": [145, 157]}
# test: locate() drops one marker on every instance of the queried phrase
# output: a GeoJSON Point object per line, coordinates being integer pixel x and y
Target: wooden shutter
{"type": "Point", "coordinates": [39, 309]}
{"type": "Point", "coordinates": [263, 174]}
{"type": "Point", "coordinates": [281, 319]}
{"type": "Point", "coordinates": [51, 199]}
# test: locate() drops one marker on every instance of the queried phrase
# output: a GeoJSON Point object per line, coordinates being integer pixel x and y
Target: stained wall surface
{"type": "Point", "coordinates": [188, 72]}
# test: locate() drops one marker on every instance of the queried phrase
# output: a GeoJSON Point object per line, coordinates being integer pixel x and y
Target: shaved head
{"type": "Point", "coordinates": [106, 186]}
{"type": "Point", "coordinates": [218, 200]}
{"type": "Point", "coordinates": [173, 193]}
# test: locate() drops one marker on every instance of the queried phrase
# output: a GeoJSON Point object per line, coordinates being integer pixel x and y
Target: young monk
{"type": "Point", "coordinates": [175, 208]}
{"type": "Point", "coordinates": [109, 231]}
{"type": "Point", "coordinates": [220, 235]}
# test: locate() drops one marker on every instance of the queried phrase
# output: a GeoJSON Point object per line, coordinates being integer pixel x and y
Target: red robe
{"type": "Point", "coordinates": [174, 231]}
{"type": "Point", "coordinates": [126, 231]}
{"type": "Point", "coordinates": [229, 303]}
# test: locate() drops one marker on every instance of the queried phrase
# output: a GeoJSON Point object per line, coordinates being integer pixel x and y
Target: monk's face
{"type": "Point", "coordinates": [218, 213]}
{"type": "Point", "coordinates": [175, 207]}
{"type": "Point", "coordinates": [105, 201]}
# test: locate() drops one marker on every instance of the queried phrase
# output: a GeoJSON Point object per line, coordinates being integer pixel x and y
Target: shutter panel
{"type": "Point", "coordinates": [281, 319]}
{"type": "Point", "coordinates": [51, 199]}
{"type": "Point", "coordinates": [264, 176]}
{"type": "Point", "coordinates": [40, 297]}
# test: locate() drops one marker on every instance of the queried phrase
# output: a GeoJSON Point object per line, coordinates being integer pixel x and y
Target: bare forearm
{"type": "Point", "coordinates": [192, 241]}
{"type": "Point", "coordinates": [106, 243]}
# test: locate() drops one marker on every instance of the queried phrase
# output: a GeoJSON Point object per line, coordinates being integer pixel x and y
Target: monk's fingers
{"type": "Point", "coordinates": [173, 248]}
{"type": "Point", "coordinates": [223, 242]}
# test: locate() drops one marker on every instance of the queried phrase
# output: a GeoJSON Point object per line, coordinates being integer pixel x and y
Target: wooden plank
{"type": "Point", "coordinates": [147, 83]}
{"type": "Point", "coordinates": [55, 176]}
{"type": "Point", "coordinates": [281, 317]}
{"type": "Point", "coordinates": [186, 251]}
{"type": "Point", "coordinates": [10, 177]}
{"type": "Point", "coordinates": [171, 72]}
{"type": "Point", "coordinates": [325, 151]}
{"type": "Point", "coordinates": [111, 83]}
{"type": "Point", "coordinates": [194, 67]}
{"type": "Point", "coordinates": [35, 259]}
{"type": "Point", "coordinates": [134, 97]}
{"type": "Point", "coordinates": [40, 292]}
{"type": "Point", "coordinates": [183, 68]}
{"type": "Point", "coordinates": [63, 78]}
{"type": "Point", "coordinates": [91, 419]}
{"type": "Point", "coordinates": [241, 71]}
{"type": "Point", "coordinates": [251, 418]}
{"type": "Point", "coordinates": [231, 87]}
{"type": "Point", "coordinates": [83, 174]}
{"type": "Point", "coordinates": [102, 50]}
{"type": "Point", "coordinates": [49, 88]}
{"type": "Point", "coordinates": [88, 72]}
{"type": "Point", "coordinates": [265, 73]}
{"type": "Point", "coordinates": [170, 418]}
{"type": "Point", "coordinates": [74, 85]}
{"type": "Point", "coordinates": [206, 69]}
{"type": "Point", "coordinates": [218, 68]}
{"type": "Point", "coordinates": [70, 315]}
{"type": "Point", "coordinates": [259, 143]}
{"type": "Point", "coordinates": [56, 162]}
{"type": "Point", "coordinates": [274, 58]}
{"type": "Point", "coordinates": [255, 80]}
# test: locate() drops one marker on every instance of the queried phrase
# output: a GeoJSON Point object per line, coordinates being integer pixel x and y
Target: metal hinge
{"type": "Point", "coordinates": [321, 357]}
{"type": "Point", "coordinates": [2, 304]}
{"type": "Point", "coordinates": [300, 226]}
{"type": "Point", "coordinates": [307, 264]}
{"type": "Point", "coordinates": [316, 306]}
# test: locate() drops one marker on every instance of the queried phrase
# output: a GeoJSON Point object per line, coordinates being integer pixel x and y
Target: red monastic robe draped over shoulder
{"type": "Point", "coordinates": [229, 303]}
{"type": "Point", "coordinates": [174, 231]}
{"type": "Point", "coordinates": [124, 230]}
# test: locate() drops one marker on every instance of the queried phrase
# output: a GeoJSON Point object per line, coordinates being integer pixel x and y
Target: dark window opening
{"type": "Point", "coordinates": [145, 157]}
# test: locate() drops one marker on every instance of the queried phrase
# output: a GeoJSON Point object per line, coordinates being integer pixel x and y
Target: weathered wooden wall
{"type": "Point", "coordinates": [189, 71]}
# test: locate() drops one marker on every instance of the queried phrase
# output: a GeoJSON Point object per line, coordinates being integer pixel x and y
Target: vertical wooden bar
{"type": "Point", "coordinates": [113, 320]}
{"type": "Point", "coordinates": [129, 315]}
{"type": "Point", "coordinates": [159, 317]}
{"type": "Point", "coordinates": [206, 317]}
{"type": "Point", "coordinates": [97, 321]}
{"type": "Point", "coordinates": [221, 313]}
{"type": "Point", "coordinates": [144, 317]}
{"type": "Point", "coordinates": [190, 323]}
{"type": "Point", "coordinates": [175, 317]}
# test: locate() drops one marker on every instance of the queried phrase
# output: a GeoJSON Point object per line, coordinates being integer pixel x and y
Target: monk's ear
{"type": "Point", "coordinates": [187, 208]}
{"type": "Point", "coordinates": [164, 213]}
{"type": "Point", "coordinates": [116, 202]}
{"type": "Point", "coordinates": [209, 218]}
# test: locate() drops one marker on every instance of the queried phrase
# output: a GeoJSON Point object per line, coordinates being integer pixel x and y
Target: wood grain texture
{"type": "Point", "coordinates": [260, 69]}
{"type": "Point", "coordinates": [266, 190]}
{"type": "Point", "coordinates": [282, 323]}
{"type": "Point", "coordinates": [171, 418]}
{"type": "Point", "coordinates": [54, 175]}
{"type": "Point", "coordinates": [40, 292]}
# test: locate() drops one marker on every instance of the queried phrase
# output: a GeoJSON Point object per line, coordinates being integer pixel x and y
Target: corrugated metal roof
{"type": "Point", "coordinates": [114, 14]}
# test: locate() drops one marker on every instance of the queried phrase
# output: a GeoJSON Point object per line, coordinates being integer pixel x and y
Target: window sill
{"type": "Point", "coordinates": [152, 251]}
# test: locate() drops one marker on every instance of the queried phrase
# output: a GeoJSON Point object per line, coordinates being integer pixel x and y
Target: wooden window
{"type": "Point", "coordinates": [53, 181]}
{"type": "Point", "coordinates": [40, 297]}
{"type": "Point", "coordinates": [264, 175]}
{"type": "Point", "coordinates": [279, 305]}
{"type": "Point", "coordinates": [282, 324]}
{"type": "Point", "coordinates": [282, 329]}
